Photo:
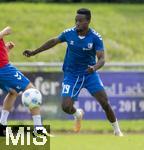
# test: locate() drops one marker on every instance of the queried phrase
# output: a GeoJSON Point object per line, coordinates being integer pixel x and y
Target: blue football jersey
{"type": "Point", "coordinates": [81, 51]}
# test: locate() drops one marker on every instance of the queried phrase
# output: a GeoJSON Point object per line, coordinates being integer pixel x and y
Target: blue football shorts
{"type": "Point", "coordinates": [72, 84]}
{"type": "Point", "coordinates": [12, 79]}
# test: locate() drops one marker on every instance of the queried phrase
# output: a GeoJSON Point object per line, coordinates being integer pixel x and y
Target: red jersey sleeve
{"type": "Point", "coordinates": [3, 54]}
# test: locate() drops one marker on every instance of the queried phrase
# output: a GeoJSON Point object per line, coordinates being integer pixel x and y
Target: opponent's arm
{"type": "Point", "coordinates": [49, 44]}
{"type": "Point", "coordinates": [5, 31]}
{"type": "Point", "coordinates": [100, 63]}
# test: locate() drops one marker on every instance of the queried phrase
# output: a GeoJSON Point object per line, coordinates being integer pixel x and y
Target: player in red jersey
{"type": "Point", "coordinates": [4, 48]}
{"type": "Point", "coordinates": [13, 82]}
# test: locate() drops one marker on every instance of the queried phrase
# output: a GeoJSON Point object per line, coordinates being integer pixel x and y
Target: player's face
{"type": "Point", "coordinates": [81, 23]}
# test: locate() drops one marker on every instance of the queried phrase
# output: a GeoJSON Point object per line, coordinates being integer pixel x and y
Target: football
{"type": "Point", "coordinates": [31, 98]}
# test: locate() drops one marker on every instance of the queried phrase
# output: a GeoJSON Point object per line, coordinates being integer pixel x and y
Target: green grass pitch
{"type": "Point", "coordinates": [88, 138]}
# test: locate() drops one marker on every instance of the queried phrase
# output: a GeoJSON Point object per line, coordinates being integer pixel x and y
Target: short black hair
{"type": "Point", "coordinates": [85, 11]}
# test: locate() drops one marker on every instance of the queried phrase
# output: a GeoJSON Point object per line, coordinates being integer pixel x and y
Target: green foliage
{"type": "Point", "coordinates": [121, 27]}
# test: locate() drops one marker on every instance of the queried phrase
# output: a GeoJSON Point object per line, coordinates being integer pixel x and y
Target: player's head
{"type": "Point", "coordinates": [82, 19]}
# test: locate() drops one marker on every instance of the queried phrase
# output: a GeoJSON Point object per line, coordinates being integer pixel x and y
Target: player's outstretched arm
{"type": "Point", "coordinates": [49, 44]}
{"type": "Point", "coordinates": [5, 31]}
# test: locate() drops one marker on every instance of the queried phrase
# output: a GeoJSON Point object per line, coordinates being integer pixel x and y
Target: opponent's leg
{"type": "Point", "coordinates": [35, 111]}
{"type": "Point", "coordinates": [102, 98]}
{"type": "Point", "coordinates": [36, 115]}
{"type": "Point", "coordinates": [7, 106]}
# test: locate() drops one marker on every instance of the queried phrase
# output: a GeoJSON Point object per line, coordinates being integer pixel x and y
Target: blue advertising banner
{"type": "Point", "coordinates": [125, 91]}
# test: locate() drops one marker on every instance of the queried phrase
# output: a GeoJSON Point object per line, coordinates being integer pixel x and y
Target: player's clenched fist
{"type": "Point", "coordinates": [28, 53]}
{"type": "Point", "coordinates": [91, 69]}
{"type": "Point", "coordinates": [10, 45]}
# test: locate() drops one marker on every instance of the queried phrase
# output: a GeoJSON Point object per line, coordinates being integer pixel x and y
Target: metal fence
{"type": "Point", "coordinates": [56, 66]}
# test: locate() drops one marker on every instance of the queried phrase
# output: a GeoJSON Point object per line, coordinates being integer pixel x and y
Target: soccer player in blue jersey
{"type": "Point", "coordinates": [80, 67]}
